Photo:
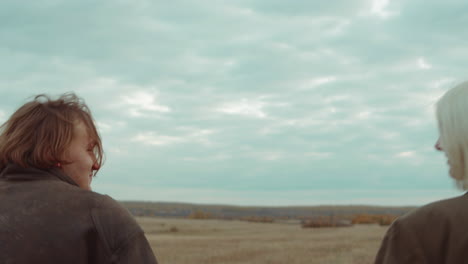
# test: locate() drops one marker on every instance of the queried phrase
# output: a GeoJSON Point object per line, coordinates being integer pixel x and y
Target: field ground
{"type": "Point", "coordinates": [184, 241]}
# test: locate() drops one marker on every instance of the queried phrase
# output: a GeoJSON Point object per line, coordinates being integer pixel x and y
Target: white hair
{"type": "Point", "coordinates": [452, 117]}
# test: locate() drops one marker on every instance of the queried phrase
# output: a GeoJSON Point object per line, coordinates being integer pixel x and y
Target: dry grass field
{"type": "Point", "coordinates": [184, 241]}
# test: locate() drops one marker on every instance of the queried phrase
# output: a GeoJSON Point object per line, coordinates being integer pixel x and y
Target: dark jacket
{"type": "Point", "coordinates": [436, 233]}
{"type": "Point", "coordinates": [46, 218]}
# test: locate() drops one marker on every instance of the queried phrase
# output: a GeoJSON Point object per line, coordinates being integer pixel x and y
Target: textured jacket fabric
{"type": "Point", "coordinates": [436, 233]}
{"type": "Point", "coordinates": [46, 218]}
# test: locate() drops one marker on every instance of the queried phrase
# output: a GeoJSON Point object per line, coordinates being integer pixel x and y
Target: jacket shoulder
{"type": "Point", "coordinates": [114, 224]}
{"type": "Point", "coordinates": [123, 238]}
{"type": "Point", "coordinates": [437, 211]}
{"type": "Point", "coordinates": [422, 235]}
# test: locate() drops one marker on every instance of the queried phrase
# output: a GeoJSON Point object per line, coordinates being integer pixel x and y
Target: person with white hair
{"type": "Point", "coordinates": [436, 233]}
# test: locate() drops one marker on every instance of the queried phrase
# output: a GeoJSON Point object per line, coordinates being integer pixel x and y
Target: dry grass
{"type": "Point", "coordinates": [230, 242]}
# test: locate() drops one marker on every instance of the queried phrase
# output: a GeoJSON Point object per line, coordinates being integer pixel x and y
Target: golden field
{"type": "Point", "coordinates": [184, 241]}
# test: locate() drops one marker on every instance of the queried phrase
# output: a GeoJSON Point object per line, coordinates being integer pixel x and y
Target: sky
{"type": "Point", "coordinates": [248, 102]}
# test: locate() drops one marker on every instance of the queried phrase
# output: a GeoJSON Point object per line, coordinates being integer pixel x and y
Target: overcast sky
{"type": "Point", "coordinates": [249, 102]}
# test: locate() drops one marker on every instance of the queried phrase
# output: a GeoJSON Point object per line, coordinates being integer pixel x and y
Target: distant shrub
{"type": "Point", "coordinates": [364, 219]}
{"type": "Point", "coordinates": [387, 220]}
{"type": "Point", "coordinates": [173, 229]}
{"type": "Point", "coordinates": [374, 219]}
{"type": "Point", "coordinates": [325, 221]}
{"type": "Point", "coordinates": [258, 219]}
{"type": "Point", "coordinates": [200, 215]}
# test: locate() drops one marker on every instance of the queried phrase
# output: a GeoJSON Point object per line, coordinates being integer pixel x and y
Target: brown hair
{"type": "Point", "coordinates": [39, 132]}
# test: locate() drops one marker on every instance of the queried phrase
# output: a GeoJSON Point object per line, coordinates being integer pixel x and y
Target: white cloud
{"type": "Point", "coordinates": [442, 83]}
{"type": "Point", "coordinates": [318, 155]}
{"type": "Point", "coordinates": [152, 138]}
{"type": "Point", "coordinates": [194, 63]}
{"type": "Point", "coordinates": [379, 8]}
{"type": "Point", "coordinates": [238, 11]}
{"type": "Point", "coordinates": [106, 84]}
{"type": "Point", "coordinates": [245, 107]}
{"type": "Point", "coordinates": [340, 27]}
{"type": "Point", "coordinates": [410, 156]}
{"type": "Point", "coordinates": [378, 158]}
{"type": "Point", "coordinates": [363, 115]}
{"type": "Point", "coordinates": [282, 46]}
{"type": "Point", "coordinates": [197, 135]}
{"type": "Point", "coordinates": [313, 83]}
{"type": "Point", "coordinates": [409, 64]}
{"type": "Point", "coordinates": [110, 126]}
{"type": "Point", "coordinates": [406, 154]}
{"type": "Point", "coordinates": [340, 98]}
{"type": "Point", "coordinates": [324, 55]}
{"type": "Point", "coordinates": [153, 25]}
{"type": "Point", "coordinates": [143, 103]}
{"type": "Point", "coordinates": [422, 105]}
{"type": "Point", "coordinates": [271, 156]}
{"type": "Point", "coordinates": [130, 98]}
{"type": "Point", "coordinates": [190, 135]}
{"type": "Point", "coordinates": [423, 64]}
{"type": "Point", "coordinates": [117, 150]}
{"type": "Point", "coordinates": [103, 127]}
{"type": "Point", "coordinates": [389, 135]}
{"type": "Point", "coordinates": [205, 158]}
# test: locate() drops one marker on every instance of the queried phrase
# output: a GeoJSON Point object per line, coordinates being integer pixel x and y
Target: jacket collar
{"type": "Point", "coordinates": [14, 172]}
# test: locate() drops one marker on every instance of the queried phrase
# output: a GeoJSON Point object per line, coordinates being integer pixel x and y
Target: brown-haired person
{"type": "Point", "coordinates": [49, 152]}
{"type": "Point", "coordinates": [437, 232]}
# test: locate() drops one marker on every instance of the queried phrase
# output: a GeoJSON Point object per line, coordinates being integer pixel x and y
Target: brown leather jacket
{"type": "Point", "coordinates": [46, 218]}
{"type": "Point", "coordinates": [436, 233]}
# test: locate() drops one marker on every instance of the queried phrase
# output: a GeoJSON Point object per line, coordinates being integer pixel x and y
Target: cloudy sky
{"type": "Point", "coordinates": [248, 102]}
